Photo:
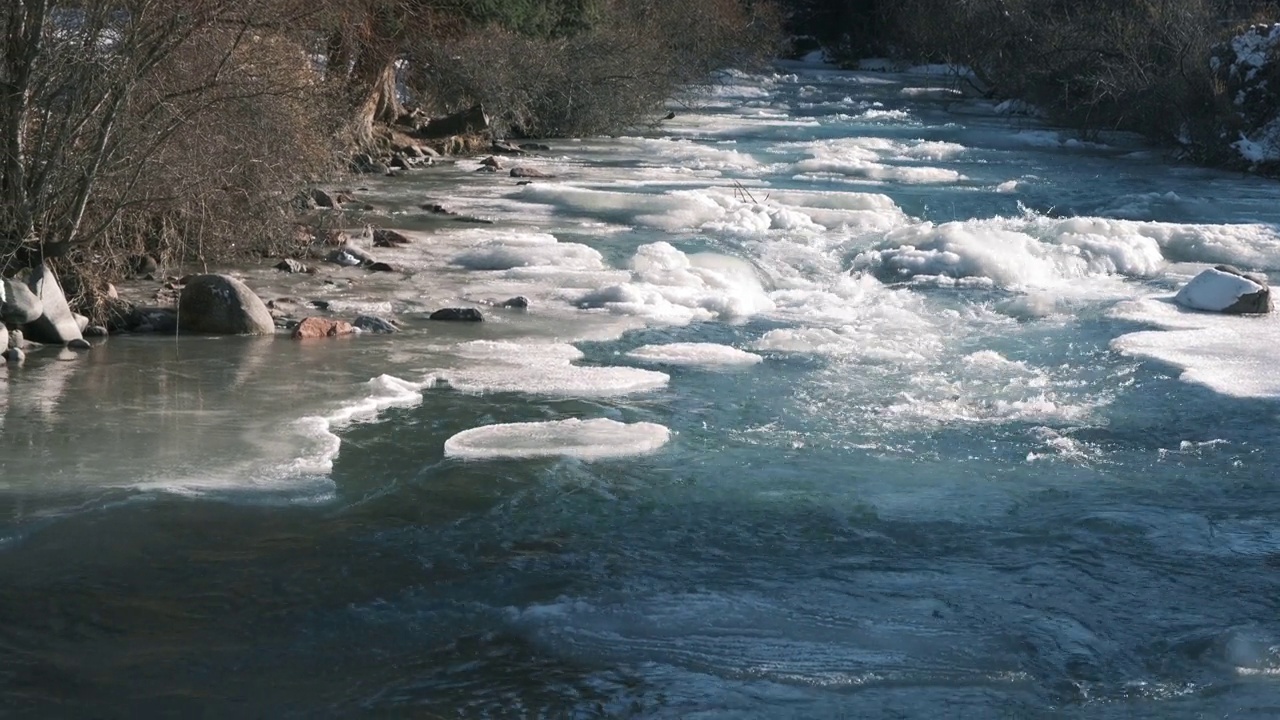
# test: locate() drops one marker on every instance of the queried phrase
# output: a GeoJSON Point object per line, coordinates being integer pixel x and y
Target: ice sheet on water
{"type": "Point", "coordinates": [595, 439]}
{"type": "Point", "coordinates": [292, 462]}
{"type": "Point", "coordinates": [695, 353]}
{"type": "Point", "coordinates": [502, 256]}
{"type": "Point", "coordinates": [541, 368]}
{"type": "Point", "coordinates": [1231, 354]}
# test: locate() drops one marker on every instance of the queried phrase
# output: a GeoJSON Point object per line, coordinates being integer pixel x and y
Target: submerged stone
{"type": "Point", "coordinates": [457, 314]}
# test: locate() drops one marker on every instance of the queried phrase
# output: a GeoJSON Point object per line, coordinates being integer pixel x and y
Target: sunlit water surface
{"type": "Point", "coordinates": [886, 413]}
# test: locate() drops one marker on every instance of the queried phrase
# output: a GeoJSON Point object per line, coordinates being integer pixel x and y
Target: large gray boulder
{"type": "Point", "coordinates": [222, 305]}
{"type": "Point", "coordinates": [1226, 289]}
{"type": "Point", "coordinates": [57, 324]}
{"type": "Point", "coordinates": [18, 305]}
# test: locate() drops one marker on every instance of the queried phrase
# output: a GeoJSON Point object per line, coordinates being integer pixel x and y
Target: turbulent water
{"type": "Point", "coordinates": [840, 395]}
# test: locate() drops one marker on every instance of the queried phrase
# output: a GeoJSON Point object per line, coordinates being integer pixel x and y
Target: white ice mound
{"type": "Point", "coordinates": [870, 158]}
{"type": "Point", "coordinates": [585, 439]}
{"type": "Point", "coordinates": [701, 354]}
{"type": "Point", "coordinates": [1012, 252]}
{"type": "Point", "coordinates": [671, 287]}
{"type": "Point", "coordinates": [1215, 290]}
{"type": "Point", "coordinates": [544, 369]}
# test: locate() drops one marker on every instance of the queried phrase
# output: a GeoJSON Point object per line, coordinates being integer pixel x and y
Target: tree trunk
{"type": "Point", "coordinates": [375, 83]}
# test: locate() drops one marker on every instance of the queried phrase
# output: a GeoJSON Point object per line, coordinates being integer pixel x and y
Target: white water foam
{"type": "Point", "coordinates": [595, 439]}
{"type": "Point", "coordinates": [1036, 251]}
{"type": "Point", "coordinates": [702, 354]}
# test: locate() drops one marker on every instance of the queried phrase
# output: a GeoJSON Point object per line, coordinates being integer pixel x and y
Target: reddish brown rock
{"type": "Point", "coordinates": [318, 327]}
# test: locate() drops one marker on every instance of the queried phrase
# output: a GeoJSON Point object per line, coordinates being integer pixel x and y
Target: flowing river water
{"type": "Point", "coordinates": [843, 396]}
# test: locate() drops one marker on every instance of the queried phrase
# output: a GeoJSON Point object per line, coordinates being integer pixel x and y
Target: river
{"type": "Point", "coordinates": [839, 395]}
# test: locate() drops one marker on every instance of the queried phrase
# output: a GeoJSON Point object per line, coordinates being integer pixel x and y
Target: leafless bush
{"type": "Point", "coordinates": [181, 129]}
{"type": "Point", "coordinates": [611, 75]}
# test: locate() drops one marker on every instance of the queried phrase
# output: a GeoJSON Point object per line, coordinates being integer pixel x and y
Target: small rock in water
{"type": "Point", "coordinates": [491, 162]}
{"type": "Point", "coordinates": [506, 147]}
{"type": "Point", "coordinates": [528, 172]}
{"type": "Point", "coordinates": [437, 209]}
{"type": "Point", "coordinates": [343, 258]}
{"type": "Point", "coordinates": [535, 147]}
{"type": "Point", "coordinates": [381, 267]}
{"type": "Point", "coordinates": [518, 302]}
{"type": "Point", "coordinates": [95, 331]}
{"type": "Point", "coordinates": [290, 265]}
{"type": "Point", "coordinates": [389, 238]}
{"type": "Point", "coordinates": [318, 327]}
{"type": "Point", "coordinates": [320, 304]}
{"type": "Point", "coordinates": [322, 199]}
{"type": "Point", "coordinates": [457, 314]}
{"type": "Point", "coordinates": [15, 355]}
{"type": "Point", "coordinates": [375, 324]}
{"type": "Point", "coordinates": [157, 320]}
{"type": "Point", "coordinates": [79, 344]}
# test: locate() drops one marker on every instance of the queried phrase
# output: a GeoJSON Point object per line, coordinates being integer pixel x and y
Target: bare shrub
{"type": "Point", "coordinates": [178, 128]}
{"type": "Point", "coordinates": [1091, 64]}
{"type": "Point", "coordinates": [613, 74]}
